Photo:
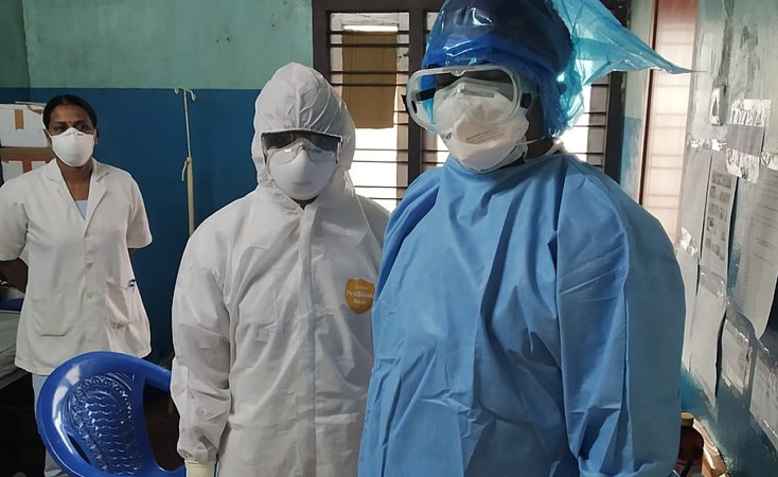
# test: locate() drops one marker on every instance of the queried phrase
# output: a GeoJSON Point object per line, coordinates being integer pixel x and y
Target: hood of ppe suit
{"type": "Point", "coordinates": [560, 45]}
{"type": "Point", "coordinates": [482, 30]}
{"type": "Point", "coordinates": [298, 97]}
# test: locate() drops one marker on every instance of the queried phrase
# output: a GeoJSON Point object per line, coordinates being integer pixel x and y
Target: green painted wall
{"type": "Point", "coordinates": [164, 43]}
{"type": "Point", "coordinates": [13, 54]}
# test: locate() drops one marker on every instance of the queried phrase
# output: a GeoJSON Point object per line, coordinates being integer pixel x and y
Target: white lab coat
{"type": "Point", "coordinates": [271, 313]}
{"type": "Point", "coordinates": [81, 292]}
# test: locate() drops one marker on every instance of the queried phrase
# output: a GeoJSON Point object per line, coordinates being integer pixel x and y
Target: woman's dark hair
{"type": "Point", "coordinates": [68, 99]}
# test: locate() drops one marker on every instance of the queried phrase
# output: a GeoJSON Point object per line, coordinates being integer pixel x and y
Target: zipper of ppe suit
{"type": "Point", "coordinates": [309, 451]}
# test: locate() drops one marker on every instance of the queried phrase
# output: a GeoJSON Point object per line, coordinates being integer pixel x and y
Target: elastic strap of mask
{"type": "Point", "coordinates": [555, 148]}
{"type": "Point", "coordinates": [513, 157]}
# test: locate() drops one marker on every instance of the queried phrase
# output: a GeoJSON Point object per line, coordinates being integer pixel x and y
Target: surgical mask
{"type": "Point", "coordinates": [465, 116]}
{"type": "Point", "coordinates": [301, 170]}
{"type": "Point", "coordinates": [73, 147]}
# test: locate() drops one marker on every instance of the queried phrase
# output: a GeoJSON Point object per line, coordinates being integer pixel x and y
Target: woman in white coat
{"type": "Point", "coordinates": [271, 313]}
{"type": "Point", "coordinates": [74, 221]}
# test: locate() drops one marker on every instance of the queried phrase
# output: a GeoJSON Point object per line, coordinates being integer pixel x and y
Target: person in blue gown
{"type": "Point", "coordinates": [529, 316]}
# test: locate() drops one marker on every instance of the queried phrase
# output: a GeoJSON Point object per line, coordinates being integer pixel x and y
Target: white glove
{"type": "Point", "coordinates": [196, 469]}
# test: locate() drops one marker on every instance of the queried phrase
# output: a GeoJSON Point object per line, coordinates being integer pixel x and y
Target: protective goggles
{"type": "Point", "coordinates": [272, 141]}
{"type": "Point", "coordinates": [425, 87]}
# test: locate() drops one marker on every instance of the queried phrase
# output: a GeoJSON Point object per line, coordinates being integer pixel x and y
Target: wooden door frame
{"type": "Point", "coordinates": [647, 101]}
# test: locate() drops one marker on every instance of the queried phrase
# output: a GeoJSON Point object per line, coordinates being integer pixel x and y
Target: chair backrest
{"type": "Point", "coordinates": [90, 416]}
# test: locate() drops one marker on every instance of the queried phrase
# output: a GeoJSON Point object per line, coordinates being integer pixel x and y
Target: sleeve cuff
{"type": "Point", "coordinates": [196, 469]}
{"type": "Point", "coordinates": [138, 244]}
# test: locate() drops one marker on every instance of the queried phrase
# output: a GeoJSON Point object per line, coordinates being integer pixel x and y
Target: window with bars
{"type": "Point", "coordinates": [587, 138]}
{"type": "Point", "coordinates": [369, 53]}
{"type": "Point", "coordinates": [369, 66]}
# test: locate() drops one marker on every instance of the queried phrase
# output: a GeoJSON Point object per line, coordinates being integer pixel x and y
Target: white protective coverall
{"type": "Point", "coordinates": [271, 314]}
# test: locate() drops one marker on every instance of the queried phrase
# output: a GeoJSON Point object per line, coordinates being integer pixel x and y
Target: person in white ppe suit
{"type": "Point", "coordinates": [271, 322]}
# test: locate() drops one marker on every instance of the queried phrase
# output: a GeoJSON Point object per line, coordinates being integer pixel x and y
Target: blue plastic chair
{"type": "Point", "coordinates": [90, 416]}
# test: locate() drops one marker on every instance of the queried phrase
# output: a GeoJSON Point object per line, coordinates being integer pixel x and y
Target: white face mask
{"type": "Point", "coordinates": [73, 147]}
{"type": "Point", "coordinates": [464, 115]}
{"type": "Point", "coordinates": [301, 170]}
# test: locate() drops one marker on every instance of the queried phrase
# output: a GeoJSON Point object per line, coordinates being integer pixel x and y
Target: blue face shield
{"type": "Point", "coordinates": [558, 45]}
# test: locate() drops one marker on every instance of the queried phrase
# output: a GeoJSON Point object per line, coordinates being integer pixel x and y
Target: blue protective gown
{"type": "Point", "coordinates": [529, 323]}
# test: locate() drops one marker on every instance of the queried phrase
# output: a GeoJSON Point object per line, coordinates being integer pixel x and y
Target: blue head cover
{"type": "Point", "coordinates": [560, 45]}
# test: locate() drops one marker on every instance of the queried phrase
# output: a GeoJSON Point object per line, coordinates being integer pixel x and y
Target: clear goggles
{"type": "Point", "coordinates": [425, 87]}
{"type": "Point", "coordinates": [275, 141]}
